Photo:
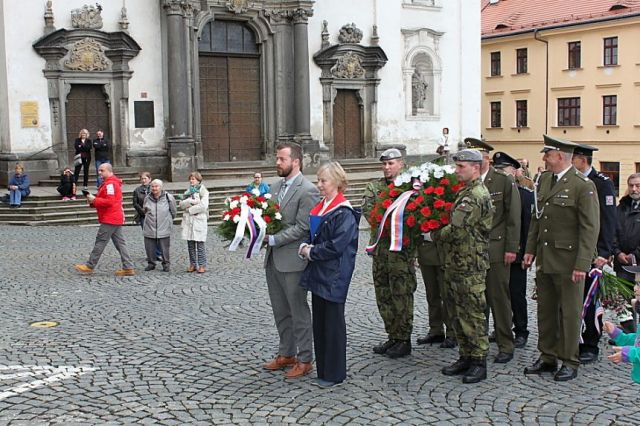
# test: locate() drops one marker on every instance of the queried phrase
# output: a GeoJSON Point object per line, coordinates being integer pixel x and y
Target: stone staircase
{"type": "Point", "coordinates": [39, 210]}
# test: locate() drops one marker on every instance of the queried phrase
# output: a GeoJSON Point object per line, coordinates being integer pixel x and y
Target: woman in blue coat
{"type": "Point", "coordinates": [18, 186]}
{"type": "Point", "coordinates": [331, 251]}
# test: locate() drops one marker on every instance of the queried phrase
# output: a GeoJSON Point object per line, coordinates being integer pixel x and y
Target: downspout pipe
{"type": "Point", "coordinates": [546, 82]}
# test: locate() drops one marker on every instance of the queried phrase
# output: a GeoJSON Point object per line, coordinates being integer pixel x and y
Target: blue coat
{"type": "Point", "coordinates": [333, 255]}
{"type": "Point", "coordinates": [22, 182]}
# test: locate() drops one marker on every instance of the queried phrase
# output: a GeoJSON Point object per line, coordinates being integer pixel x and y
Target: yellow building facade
{"type": "Point", "coordinates": [577, 81]}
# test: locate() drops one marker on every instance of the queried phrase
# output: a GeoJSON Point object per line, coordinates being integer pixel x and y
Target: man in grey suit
{"type": "Point", "coordinates": [296, 196]}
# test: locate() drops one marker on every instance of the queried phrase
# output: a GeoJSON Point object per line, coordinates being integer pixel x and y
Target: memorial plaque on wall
{"type": "Point", "coordinates": [143, 111]}
{"type": "Point", "coordinates": [29, 114]}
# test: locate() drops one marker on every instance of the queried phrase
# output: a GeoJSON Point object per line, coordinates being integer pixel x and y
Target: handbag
{"type": "Point", "coordinates": [77, 159]}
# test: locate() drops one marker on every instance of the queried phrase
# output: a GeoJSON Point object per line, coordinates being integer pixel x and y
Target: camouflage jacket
{"type": "Point", "coordinates": [370, 198]}
{"type": "Point", "coordinates": [465, 240]}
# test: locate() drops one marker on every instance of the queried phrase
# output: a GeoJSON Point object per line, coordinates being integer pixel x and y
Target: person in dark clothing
{"type": "Point", "coordinates": [102, 149]}
{"type": "Point", "coordinates": [82, 147]}
{"type": "Point", "coordinates": [582, 159]}
{"type": "Point", "coordinates": [67, 187]}
{"type": "Point", "coordinates": [626, 245]}
{"type": "Point", "coordinates": [331, 251]}
{"type": "Point", "coordinates": [518, 274]}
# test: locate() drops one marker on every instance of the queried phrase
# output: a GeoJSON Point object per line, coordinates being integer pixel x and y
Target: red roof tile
{"type": "Point", "coordinates": [507, 16]}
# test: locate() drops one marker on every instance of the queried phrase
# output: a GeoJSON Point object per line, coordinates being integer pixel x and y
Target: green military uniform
{"type": "Point", "coordinates": [465, 240]}
{"type": "Point", "coordinates": [504, 237]}
{"type": "Point", "coordinates": [394, 276]}
{"type": "Point", "coordinates": [430, 261]}
{"type": "Point", "coordinates": [563, 237]}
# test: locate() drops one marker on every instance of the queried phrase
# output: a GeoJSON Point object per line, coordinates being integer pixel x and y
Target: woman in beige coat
{"type": "Point", "coordinates": [195, 203]}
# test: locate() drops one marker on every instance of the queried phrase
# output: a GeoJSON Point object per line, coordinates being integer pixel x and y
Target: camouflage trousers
{"type": "Point", "coordinates": [394, 279]}
{"type": "Point", "coordinates": [466, 291]}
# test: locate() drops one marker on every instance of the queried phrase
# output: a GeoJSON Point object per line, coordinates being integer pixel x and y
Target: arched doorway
{"type": "Point", "coordinates": [87, 108]}
{"type": "Point", "coordinates": [230, 107]}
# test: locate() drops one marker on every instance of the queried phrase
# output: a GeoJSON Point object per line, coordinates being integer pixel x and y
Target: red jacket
{"type": "Point", "coordinates": [108, 202]}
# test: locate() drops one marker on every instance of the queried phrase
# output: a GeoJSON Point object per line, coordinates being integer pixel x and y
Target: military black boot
{"type": "Point", "coordinates": [400, 349]}
{"type": "Point", "coordinates": [458, 367]}
{"type": "Point", "coordinates": [477, 372]}
{"type": "Point", "coordinates": [383, 347]}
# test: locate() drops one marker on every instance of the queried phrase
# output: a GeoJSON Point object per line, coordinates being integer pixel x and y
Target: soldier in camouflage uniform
{"type": "Point", "coordinates": [394, 275]}
{"type": "Point", "coordinates": [465, 241]}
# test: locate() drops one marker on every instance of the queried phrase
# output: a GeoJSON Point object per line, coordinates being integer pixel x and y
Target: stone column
{"type": "Point", "coordinates": [179, 133]}
{"type": "Point", "coordinates": [301, 72]}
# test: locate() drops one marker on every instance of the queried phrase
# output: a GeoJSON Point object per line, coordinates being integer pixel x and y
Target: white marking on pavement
{"type": "Point", "coordinates": [56, 374]}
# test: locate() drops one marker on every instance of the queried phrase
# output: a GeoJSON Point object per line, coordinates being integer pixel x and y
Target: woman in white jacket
{"type": "Point", "coordinates": [195, 203]}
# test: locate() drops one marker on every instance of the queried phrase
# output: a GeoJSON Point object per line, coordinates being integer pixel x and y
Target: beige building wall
{"type": "Point", "coordinates": [618, 143]}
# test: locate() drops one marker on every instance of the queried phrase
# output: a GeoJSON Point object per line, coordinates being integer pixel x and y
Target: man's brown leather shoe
{"type": "Point", "coordinates": [299, 369]}
{"type": "Point", "coordinates": [83, 268]}
{"type": "Point", "coordinates": [125, 272]}
{"type": "Point", "coordinates": [191, 268]}
{"type": "Point", "coordinates": [279, 362]}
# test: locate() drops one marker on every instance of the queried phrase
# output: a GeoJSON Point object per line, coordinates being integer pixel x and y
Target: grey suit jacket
{"type": "Point", "coordinates": [300, 198]}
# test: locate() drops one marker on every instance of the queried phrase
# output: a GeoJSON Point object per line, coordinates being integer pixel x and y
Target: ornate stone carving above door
{"type": "Point", "coordinates": [86, 55]}
{"type": "Point", "coordinates": [348, 66]}
{"type": "Point", "coordinates": [87, 17]}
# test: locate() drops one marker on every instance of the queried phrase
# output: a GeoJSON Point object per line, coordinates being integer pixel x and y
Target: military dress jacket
{"type": "Point", "coordinates": [608, 214]}
{"type": "Point", "coordinates": [465, 240]}
{"type": "Point", "coordinates": [505, 230]}
{"type": "Point", "coordinates": [564, 229]}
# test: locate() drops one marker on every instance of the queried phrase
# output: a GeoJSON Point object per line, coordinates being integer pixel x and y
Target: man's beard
{"type": "Point", "coordinates": [284, 172]}
{"type": "Point", "coordinates": [634, 196]}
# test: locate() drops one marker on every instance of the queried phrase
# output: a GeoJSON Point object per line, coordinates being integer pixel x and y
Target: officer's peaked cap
{"type": "Point", "coordinates": [502, 159]}
{"type": "Point", "coordinates": [552, 143]}
{"type": "Point", "coordinates": [479, 144]}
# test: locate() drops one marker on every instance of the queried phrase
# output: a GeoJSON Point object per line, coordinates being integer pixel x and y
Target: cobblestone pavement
{"type": "Point", "coordinates": [183, 348]}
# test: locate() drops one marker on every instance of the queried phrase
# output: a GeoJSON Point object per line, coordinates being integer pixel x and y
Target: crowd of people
{"type": "Point", "coordinates": [474, 267]}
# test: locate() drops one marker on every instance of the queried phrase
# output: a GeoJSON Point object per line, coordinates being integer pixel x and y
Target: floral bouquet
{"type": "Point", "coordinates": [249, 215]}
{"type": "Point", "coordinates": [417, 201]}
{"type": "Point", "coordinates": [609, 292]}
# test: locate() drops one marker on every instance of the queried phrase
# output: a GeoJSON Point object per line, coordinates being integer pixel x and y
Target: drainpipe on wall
{"type": "Point", "coordinates": [546, 82]}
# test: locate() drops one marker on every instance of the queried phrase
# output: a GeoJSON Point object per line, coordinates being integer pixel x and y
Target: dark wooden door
{"type": "Point", "coordinates": [347, 125]}
{"type": "Point", "coordinates": [86, 108]}
{"type": "Point", "coordinates": [230, 108]}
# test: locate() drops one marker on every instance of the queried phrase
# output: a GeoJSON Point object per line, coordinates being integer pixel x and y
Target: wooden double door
{"type": "Point", "coordinates": [347, 125]}
{"type": "Point", "coordinates": [87, 108]}
{"type": "Point", "coordinates": [230, 108]}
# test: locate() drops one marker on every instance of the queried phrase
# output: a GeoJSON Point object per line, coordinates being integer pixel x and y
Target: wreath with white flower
{"type": "Point", "coordinates": [260, 207]}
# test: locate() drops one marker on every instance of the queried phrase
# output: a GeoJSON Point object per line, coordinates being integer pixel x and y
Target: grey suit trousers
{"type": "Point", "coordinates": [291, 312]}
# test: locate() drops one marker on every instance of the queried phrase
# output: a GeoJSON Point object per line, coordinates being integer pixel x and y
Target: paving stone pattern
{"type": "Point", "coordinates": [178, 348]}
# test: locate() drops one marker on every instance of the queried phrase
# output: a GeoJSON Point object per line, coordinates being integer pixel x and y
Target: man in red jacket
{"type": "Point", "coordinates": [108, 203]}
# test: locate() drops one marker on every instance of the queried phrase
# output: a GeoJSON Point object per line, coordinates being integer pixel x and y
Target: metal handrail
{"type": "Point", "coordinates": [43, 150]}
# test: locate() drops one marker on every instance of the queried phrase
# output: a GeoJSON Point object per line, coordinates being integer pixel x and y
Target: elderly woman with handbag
{"type": "Point", "coordinates": [331, 252]}
{"type": "Point", "coordinates": [195, 203]}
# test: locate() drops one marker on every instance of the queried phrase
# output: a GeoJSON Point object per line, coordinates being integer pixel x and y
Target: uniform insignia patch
{"type": "Point", "coordinates": [110, 189]}
{"type": "Point", "coordinates": [608, 200]}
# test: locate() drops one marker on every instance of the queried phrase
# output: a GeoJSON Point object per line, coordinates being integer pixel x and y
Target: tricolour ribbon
{"type": "Point", "coordinates": [596, 274]}
{"type": "Point", "coordinates": [396, 212]}
{"type": "Point", "coordinates": [256, 234]}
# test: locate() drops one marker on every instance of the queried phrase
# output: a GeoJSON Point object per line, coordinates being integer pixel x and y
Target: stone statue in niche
{"type": "Point", "coordinates": [349, 33]}
{"type": "Point", "coordinates": [87, 55]}
{"type": "Point", "coordinates": [419, 92]}
{"type": "Point", "coordinates": [87, 17]}
{"type": "Point", "coordinates": [348, 66]}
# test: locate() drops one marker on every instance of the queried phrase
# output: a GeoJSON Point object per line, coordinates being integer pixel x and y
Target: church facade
{"type": "Point", "coordinates": [178, 85]}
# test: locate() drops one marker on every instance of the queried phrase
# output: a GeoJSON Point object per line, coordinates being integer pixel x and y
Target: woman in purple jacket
{"type": "Point", "coordinates": [331, 251]}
